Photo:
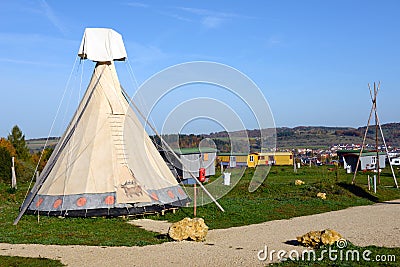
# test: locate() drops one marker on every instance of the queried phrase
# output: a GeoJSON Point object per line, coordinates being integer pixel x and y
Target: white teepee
{"type": "Point", "coordinates": [105, 163]}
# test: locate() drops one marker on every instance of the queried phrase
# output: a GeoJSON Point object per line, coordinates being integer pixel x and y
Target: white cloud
{"type": "Point", "coordinates": [212, 22]}
{"type": "Point", "coordinates": [28, 62]}
{"type": "Point", "coordinates": [51, 16]}
{"type": "Point", "coordinates": [138, 4]}
{"type": "Point", "coordinates": [209, 18]}
{"type": "Point", "coordinates": [175, 16]}
{"type": "Point", "coordinates": [274, 40]}
{"type": "Point", "coordinates": [206, 12]}
{"type": "Point", "coordinates": [144, 54]}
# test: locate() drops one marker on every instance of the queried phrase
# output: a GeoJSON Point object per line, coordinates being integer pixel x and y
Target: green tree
{"type": "Point", "coordinates": [44, 158]}
{"type": "Point", "coordinates": [5, 165]}
{"type": "Point", "coordinates": [17, 139]}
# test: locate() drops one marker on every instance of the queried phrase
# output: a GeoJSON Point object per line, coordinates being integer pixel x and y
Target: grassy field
{"type": "Point", "coordinates": [66, 231]}
{"type": "Point", "coordinates": [28, 262]}
{"type": "Point", "coordinates": [277, 198]}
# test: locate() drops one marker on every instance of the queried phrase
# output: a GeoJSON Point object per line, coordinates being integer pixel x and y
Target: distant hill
{"type": "Point", "coordinates": [37, 144]}
{"type": "Point", "coordinates": [324, 137]}
{"type": "Point", "coordinates": [303, 136]}
{"type": "Point", "coordinates": [297, 137]}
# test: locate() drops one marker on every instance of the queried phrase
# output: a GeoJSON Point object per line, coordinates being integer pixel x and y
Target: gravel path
{"type": "Point", "coordinates": [377, 224]}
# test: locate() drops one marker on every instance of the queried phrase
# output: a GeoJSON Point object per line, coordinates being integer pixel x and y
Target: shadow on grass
{"type": "Point", "coordinates": [358, 191]}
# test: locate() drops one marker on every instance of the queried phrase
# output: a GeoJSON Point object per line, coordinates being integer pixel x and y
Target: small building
{"type": "Point", "coordinates": [283, 158]}
{"type": "Point", "coordinates": [368, 160]}
{"type": "Point", "coordinates": [270, 158]}
{"type": "Point", "coordinates": [232, 160]}
{"type": "Point", "coordinates": [252, 160]}
{"type": "Point", "coordinates": [193, 159]}
{"type": "Point", "coordinates": [340, 153]}
{"type": "Point", "coordinates": [395, 161]}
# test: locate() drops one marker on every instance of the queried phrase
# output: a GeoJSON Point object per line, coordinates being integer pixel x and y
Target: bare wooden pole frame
{"type": "Point", "coordinates": [377, 126]}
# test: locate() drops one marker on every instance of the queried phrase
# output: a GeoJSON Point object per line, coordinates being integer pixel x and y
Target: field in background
{"type": "Point", "coordinates": [37, 145]}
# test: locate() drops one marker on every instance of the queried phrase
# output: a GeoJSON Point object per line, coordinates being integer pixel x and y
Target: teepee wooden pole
{"type": "Point", "coordinates": [362, 147]}
{"type": "Point", "coordinates": [387, 153]}
{"type": "Point", "coordinates": [376, 134]}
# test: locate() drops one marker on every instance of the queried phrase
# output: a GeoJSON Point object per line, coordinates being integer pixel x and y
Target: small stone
{"type": "Point", "coordinates": [298, 182]}
{"type": "Point", "coordinates": [316, 239]}
{"type": "Point", "coordinates": [321, 195]}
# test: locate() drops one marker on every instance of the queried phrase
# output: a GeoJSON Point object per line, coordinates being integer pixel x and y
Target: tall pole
{"type": "Point", "coordinates": [376, 134]}
{"type": "Point", "coordinates": [13, 176]}
{"type": "Point", "coordinates": [363, 143]}
{"type": "Point", "coordinates": [195, 202]}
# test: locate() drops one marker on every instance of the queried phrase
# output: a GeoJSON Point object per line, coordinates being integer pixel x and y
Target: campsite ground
{"type": "Point", "coordinates": [265, 211]}
{"type": "Point", "coordinates": [376, 225]}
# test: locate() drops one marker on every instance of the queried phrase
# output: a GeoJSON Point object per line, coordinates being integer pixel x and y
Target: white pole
{"type": "Point", "coordinates": [13, 176]}
{"type": "Point", "coordinates": [294, 164]}
{"type": "Point", "coordinates": [374, 183]}
{"type": "Point", "coordinates": [369, 184]}
{"type": "Point", "coordinates": [387, 153]}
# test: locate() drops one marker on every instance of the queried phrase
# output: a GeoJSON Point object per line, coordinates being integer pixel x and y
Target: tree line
{"type": "Point", "coordinates": [25, 161]}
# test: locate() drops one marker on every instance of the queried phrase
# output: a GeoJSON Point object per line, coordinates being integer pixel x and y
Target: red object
{"type": "Point", "coordinates": [202, 174]}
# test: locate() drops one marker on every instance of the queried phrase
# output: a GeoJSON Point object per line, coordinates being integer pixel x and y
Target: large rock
{"type": "Point", "coordinates": [316, 239]}
{"type": "Point", "coordinates": [193, 229]}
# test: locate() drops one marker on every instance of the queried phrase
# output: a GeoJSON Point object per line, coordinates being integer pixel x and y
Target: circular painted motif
{"type": "Point", "coordinates": [39, 202]}
{"type": "Point", "coordinates": [81, 201]}
{"type": "Point", "coordinates": [170, 194]}
{"type": "Point", "coordinates": [57, 203]}
{"type": "Point", "coordinates": [109, 200]}
{"type": "Point", "coordinates": [154, 196]}
{"type": "Point", "coordinates": [180, 191]}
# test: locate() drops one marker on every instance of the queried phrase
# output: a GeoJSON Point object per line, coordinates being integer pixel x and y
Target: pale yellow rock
{"type": "Point", "coordinates": [321, 195]}
{"type": "Point", "coordinates": [298, 182]}
{"type": "Point", "coordinates": [193, 229]}
{"type": "Point", "coordinates": [316, 239]}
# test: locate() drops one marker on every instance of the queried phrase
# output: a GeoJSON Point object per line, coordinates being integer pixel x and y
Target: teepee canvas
{"type": "Point", "coordinates": [105, 163]}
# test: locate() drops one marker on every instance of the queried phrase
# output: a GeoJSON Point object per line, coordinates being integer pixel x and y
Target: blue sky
{"type": "Point", "coordinates": [312, 60]}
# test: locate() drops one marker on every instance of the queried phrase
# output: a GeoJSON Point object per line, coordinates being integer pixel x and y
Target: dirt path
{"type": "Point", "coordinates": [378, 224]}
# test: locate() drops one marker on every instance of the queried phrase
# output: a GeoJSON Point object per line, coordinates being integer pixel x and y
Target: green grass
{"type": "Point", "coordinates": [66, 231]}
{"type": "Point", "coordinates": [278, 197]}
{"type": "Point", "coordinates": [379, 256]}
{"type": "Point", "coordinates": [11, 261]}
